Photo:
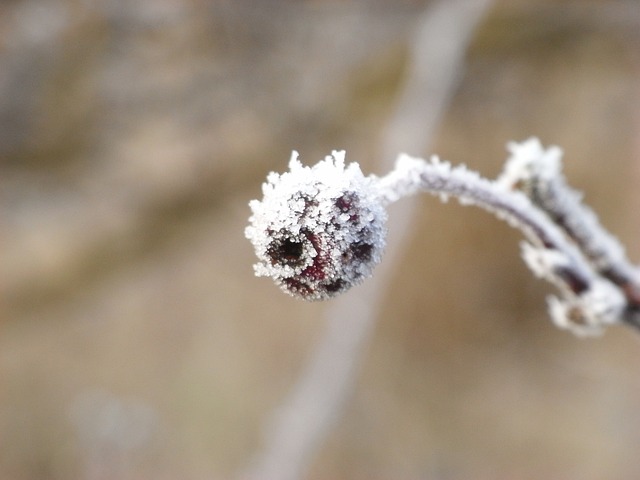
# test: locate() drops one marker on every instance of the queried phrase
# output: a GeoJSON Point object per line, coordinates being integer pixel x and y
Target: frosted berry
{"type": "Point", "coordinates": [319, 230]}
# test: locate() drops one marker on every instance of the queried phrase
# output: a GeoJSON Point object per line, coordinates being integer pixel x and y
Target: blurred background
{"type": "Point", "coordinates": [135, 342]}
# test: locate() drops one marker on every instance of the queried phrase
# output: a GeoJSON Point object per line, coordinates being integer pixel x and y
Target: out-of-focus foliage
{"type": "Point", "coordinates": [135, 341]}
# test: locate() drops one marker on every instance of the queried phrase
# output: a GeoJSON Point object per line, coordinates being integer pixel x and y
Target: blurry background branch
{"type": "Point", "coordinates": [298, 426]}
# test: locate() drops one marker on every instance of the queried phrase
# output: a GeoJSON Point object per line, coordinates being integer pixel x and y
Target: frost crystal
{"type": "Point", "coordinates": [530, 162]}
{"type": "Point", "coordinates": [543, 262]}
{"type": "Point", "coordinates": [318, 230]}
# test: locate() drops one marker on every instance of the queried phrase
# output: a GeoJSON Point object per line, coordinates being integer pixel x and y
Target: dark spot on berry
{"type": "Point", "coordinates": [344, 202]}
{"type": "Point", "coordinates": [286, 252]}
{"type": "Point", "coordinates": [334, 286]}
{"type": "Point", "coordinates": [362, 251]}
{"type": "Point", "coordinates": [348, 203]}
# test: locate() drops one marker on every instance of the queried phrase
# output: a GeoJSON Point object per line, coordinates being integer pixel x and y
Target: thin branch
{"type": "Point", "coordinates": [441, 179]}
{"type": "Point", "coordinates": [591, 299]}
{"type": "Point", "coordinates": [334, 217]}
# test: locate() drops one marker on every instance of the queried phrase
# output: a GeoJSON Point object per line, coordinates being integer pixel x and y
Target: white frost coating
{"type": "Point", "coordinates": [538, 173]}
{"type": "Point", "coordinates": [404, 180]}
{"type": "Point", "coordinates": [544, 262]}
{"type": "Point", "coordinates": [529, 160]}
{"type": "Point", "coordinates": [318, 230]}
{"type": "Point", "coordinates": [587, 314]}
{"type": "Point", "coordinates": [590, 313]}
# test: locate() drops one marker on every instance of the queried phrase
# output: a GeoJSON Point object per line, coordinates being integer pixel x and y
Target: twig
{"type": "Point", "coordinates": [577, 254]}
{"type": "Point", "coordinates": [320, 230]}
{"type": "Point", "coordinates": [538, 174]}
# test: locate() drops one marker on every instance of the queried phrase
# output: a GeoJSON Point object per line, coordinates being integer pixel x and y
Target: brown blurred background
{"type": "Point", "coordinates": [135, 341]}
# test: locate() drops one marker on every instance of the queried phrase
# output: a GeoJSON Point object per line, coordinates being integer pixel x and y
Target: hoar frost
{"type": "Point", "coordinates": [318, 230]}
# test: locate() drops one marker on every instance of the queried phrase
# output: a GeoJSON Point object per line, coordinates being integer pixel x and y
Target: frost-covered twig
{"type": "Point", "coordinates": [320, 230]}
{"type": "Point", "coordinates": [538, 173]}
